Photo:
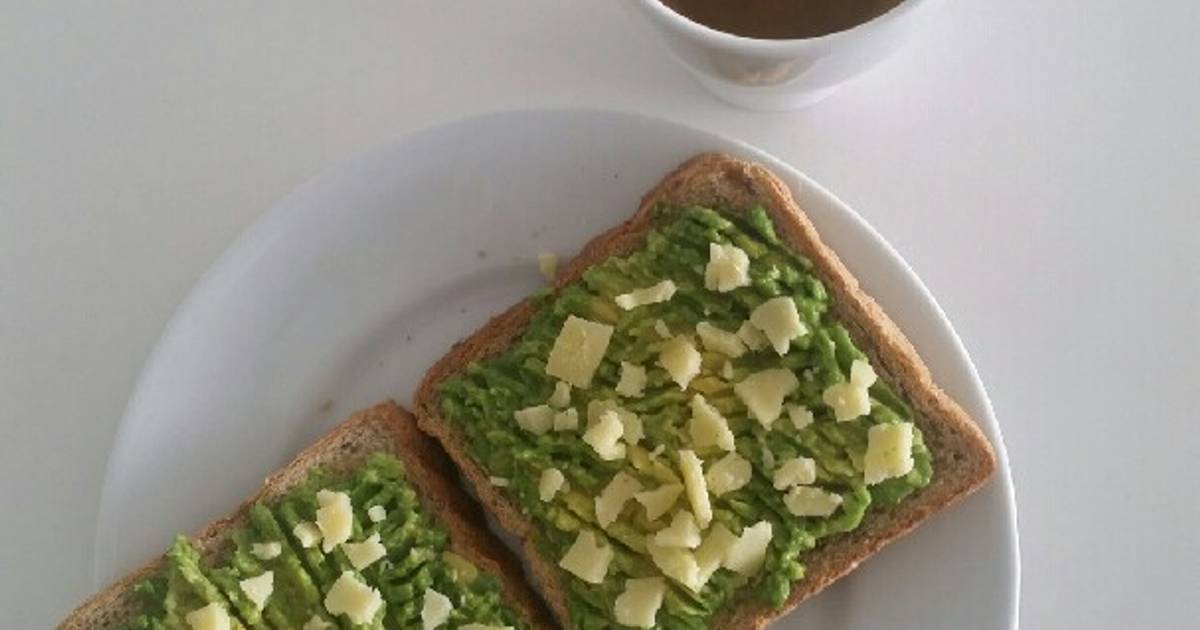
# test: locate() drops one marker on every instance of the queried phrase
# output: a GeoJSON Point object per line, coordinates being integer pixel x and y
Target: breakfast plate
{"type": "Point", "coordinates": [355, 283]}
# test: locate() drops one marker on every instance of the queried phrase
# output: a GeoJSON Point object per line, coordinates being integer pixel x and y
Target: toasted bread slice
{"type": "Point", "coordinates": [963, 458]}
{"type": "Point", "coordinates": [385, 427]}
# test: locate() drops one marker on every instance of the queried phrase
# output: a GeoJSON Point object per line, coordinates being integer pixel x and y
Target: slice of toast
{"type": "Point", "coordinates": [962, 457]}
{"type": "Point", "coordinates": [385, 427]}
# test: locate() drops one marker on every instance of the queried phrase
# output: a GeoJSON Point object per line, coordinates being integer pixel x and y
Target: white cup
{"type": "Point", "coordinates": [778, 74]}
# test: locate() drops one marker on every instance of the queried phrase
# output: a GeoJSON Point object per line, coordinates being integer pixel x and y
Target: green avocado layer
{"type": "Point", "coordinates": [481, 403]}
{"type": "Point", "coordinates": [417, 558]}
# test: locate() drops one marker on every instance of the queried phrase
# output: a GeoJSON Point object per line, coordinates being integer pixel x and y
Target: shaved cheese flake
{"type": "Point", "coordinates": [754, 339]}
{"type": "Point", "coordinates": [797, 471]}
{"type": "Point", "coordinates": [800, 416]}
{"type": "Point", "coordinates": [633, 380]}
{"type": "Point", "coordinates": [660, 292]}
{"type": "Point", "coordinates": [638, 605]}
{"type": "Point", "coordinates": [364, 554]}
{"type": "Point", "coordinates": [728, 268]}
{"type": "Point", "coordinates": [694, 484]}
{"type": "Point", "coordinates": [659, 500]}
{"type": "Point", "coordinates": [708, 427]}
{"type": "Point", "coordinates": [561, 398]}
{"type": "Point", "coordinates": [676, 563]}
{"type": "Point", "coordinates": [811, 501]}
{"type": "Point", "coordinates": [435, 609]}
{"type": "Point", "coordinates": [604, 436]}
{"type": "Point", "coordinates": [682, 532]}
{"type": "Point", "coordinates": [889, 452]}
{"type": "Point", "coordinates": [588, 558]}
{"type": "Point", "coordinates": [335, 518]}
{"type": "Point", "coordinates": [566, 420]}
{"type": "Point", "coordinates": [681, 360]}
{"type": "Point", "coordinates": [210, 617]}
{"type": "Point", "coordinates": [779, 320]}
{"type": "Point", "coordinates": [763, 393]}
{"type": "Point", "coordinates": [258, 589]}
{"type": "Point", "coordinates": [716, 340]}
{"type": "Point", "coordinates": [351, 597]}
{"type": "Point", "coordinates": [612, 499]}
{"type": "Point", "coordinates": [550, 483]}
{"type": "Point", "coordinates": [536, 420]}
{"type": "Point", "coordinates": [747, 554]}
{"type": "Point", "coordinates": [578, 350]}
{"type": "Point", "coordinates": [729, 473]}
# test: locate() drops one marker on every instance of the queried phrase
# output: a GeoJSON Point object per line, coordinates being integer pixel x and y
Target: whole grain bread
{"type": "Point", "coordinates": [962, 457]}
{"type": "Point", "coordinates": [385, 427]}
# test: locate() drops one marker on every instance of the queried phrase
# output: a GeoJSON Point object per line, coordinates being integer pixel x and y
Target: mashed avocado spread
{"type": "Point", "coordinates": [686, 423]}
{"type": "Point", "coordinates": [393, 570]}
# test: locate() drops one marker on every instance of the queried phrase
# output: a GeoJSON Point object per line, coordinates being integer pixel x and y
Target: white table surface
{"type": "Point", "coordinates": [1038, 164]}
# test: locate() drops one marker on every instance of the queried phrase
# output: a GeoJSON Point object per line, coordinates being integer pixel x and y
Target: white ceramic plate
{"type": "Point", "coordinates": [354, 284]}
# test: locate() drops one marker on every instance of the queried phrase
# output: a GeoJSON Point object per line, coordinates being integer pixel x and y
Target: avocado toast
{"type": "Point", "coordinates": [367, 528]}
{"type": "Point", "coordinates": [706, 421]}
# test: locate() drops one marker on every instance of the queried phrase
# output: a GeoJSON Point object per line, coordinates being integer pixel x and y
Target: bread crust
{"type": "Point", "coordinates": [383, 427]}
{"type": "Point", "coordinates": [962, 457]}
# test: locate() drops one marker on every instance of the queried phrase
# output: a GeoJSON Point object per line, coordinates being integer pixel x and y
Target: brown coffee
{"type": "Point", "coordinates": [781, 19]}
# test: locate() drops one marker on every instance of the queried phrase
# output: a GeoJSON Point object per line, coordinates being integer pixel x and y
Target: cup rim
{"type": "Point", "coordinates": [769, 45]}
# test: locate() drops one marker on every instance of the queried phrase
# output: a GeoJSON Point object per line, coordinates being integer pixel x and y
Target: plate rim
{"type": "Point", "coordinates": [232, 255]}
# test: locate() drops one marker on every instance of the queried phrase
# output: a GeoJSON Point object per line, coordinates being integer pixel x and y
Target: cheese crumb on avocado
{"type": "Point", "coordinates": [763, 393]}
{"type": "Point", "coordinates": [677, 563]}
{"type": "Point", "coordinates": [351, 597]}
{"type": "Point", "coordinates": [632, 381]}
{"type": "Point", "coordinates": [604, 436]}
{"type": "Point", "coordinates": [716, 340]}
{"type": "Point", "coordinates": [638, 604]}
{"type": "Point", "coordinates": [654, 294]}
{"type": "Point", "coordinates": [797, 471]}
{"type": "Point", "coordinates": [713, 550]}
{"type": "Point", "coordinates": [363, 554]}
{"type": "Point", "coordinates": [730, 473]}
{"type": "Point", "coordinates": [335, 518]}
{"type": "Point", "coordinates": [800, 416]}
{"type": "Point", "coordinates": [267, 550]}
{"type": "Point", "coordinates": [578, 350]}
{"type": "Point", "coordinates": [708, 427]}
{"type": "Point", "coordinates": [889, 452]}
{"type": "Point", "coordinates": [682, 532]}
{"type": "Point", "coordinates": [536, 420]}
{"type": "Point", "coordinates": [377, 513]}
{"type": "Point", "coordinates": [728, 268]}
{"type": "Point", "coordinates": [435, 609]}
{"type": "Point", "coordinates": [754, 338]}
{"type": "Point", "coordinates": [810, 501]}
{"type": "Point", "coordinates": [747, 554]}
{"type": "Point", "coordinates": [851, 399]}
{"type": "Point", "coordinates": [561, 397]}
{"type": "Point", "coordinates": [566, 420]}
{"type": "Point", "coordinates": [659, 500]}
{"type": "Point", "coordinates": [258, 589]}
{"type": "Point", "coordinates": [210, 617]}
{"type": "Point", "coordinates": [695, 486]}
{"type": "Point", "coordinates": [307, 534]}
{"type": "Point", "coordinates": [550, 483]}
{"type": "Point", "coordinates": [779, 320]}
{"type": "Point", "coordinates": [681, 360]}
{"type": "Point", "coordinates": [588, 558]}
{"type": "Point", "coordinates": [612, 499]}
